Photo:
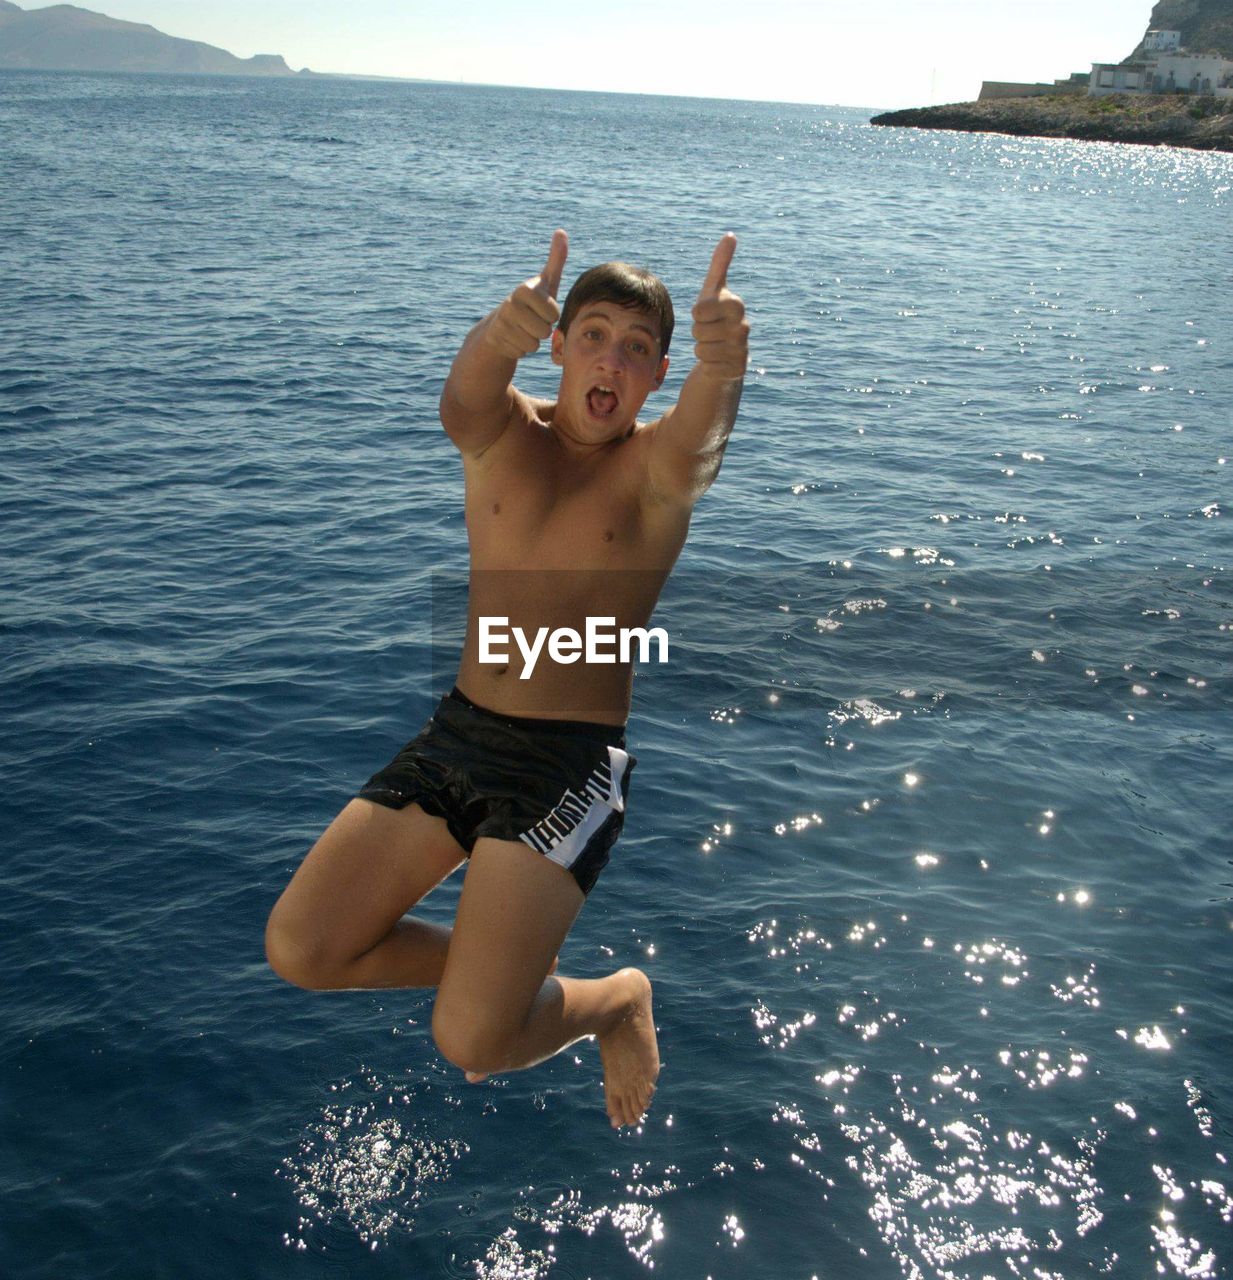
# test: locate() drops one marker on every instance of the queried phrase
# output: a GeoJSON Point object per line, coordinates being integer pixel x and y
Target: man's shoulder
{"type": "Point", "coordinates": [644, 432]}
{"type": "Point", "coordinates": [533, 406]}
{"type": "Point", "coordinates": [527, 421]}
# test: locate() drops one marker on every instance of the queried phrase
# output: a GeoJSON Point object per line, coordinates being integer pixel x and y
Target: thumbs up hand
{"type": "Point", "coordinates": [528, 315]}
{"type": "Point", "coordinates": [721, 332]}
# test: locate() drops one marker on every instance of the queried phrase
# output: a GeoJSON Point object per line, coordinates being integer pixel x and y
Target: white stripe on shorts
{"type": "Point", "coordinates": [564, 833]}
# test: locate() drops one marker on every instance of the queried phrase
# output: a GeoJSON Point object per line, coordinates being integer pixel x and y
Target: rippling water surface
{"type": "Point", "coordinates": [929, 851]}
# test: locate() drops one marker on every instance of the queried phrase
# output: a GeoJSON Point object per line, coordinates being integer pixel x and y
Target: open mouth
{"type": "Point", "coordinates": [601, 401]}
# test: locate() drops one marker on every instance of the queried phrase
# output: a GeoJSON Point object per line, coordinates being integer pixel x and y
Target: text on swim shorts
{"type": "Point", "coordinates": [602, 642]}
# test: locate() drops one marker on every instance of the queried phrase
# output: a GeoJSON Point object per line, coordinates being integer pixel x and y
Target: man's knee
{"type": "Point", "coordinates": [469, 1039]}
{"type": "Point", "coordinates": [297, 958]}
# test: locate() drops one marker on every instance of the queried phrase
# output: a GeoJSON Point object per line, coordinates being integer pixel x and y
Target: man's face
{"type": "Point", "coordinates": [610, 363]}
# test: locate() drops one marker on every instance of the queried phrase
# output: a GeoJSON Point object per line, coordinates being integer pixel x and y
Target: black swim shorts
{"type": "Point", "coordinates": [559, 786]}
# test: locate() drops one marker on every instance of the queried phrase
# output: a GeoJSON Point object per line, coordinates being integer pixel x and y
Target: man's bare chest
{"type": "Point", "coordinates": [530, 506]}
{"type": "Point", "coordinates": [535, 520]}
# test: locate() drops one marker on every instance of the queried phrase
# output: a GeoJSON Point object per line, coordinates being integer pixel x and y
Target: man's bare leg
{"type": "Point", "coordinates": [617, 1011]}
{"type": "Point", "coordinates": [497, 1010]}
{"type": "Point", "coordinates": [339, 922]}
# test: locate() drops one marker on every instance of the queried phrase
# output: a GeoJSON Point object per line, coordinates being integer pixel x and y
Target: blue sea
{"type": "Point", "coordinates": [929, 846]}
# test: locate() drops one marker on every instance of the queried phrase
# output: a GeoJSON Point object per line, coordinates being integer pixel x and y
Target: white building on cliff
{"type": "Point", "coordinates": [1165, 68]}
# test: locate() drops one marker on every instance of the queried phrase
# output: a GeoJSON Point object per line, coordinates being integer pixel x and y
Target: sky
{"type": "Point", "coordinates": [871, 53]}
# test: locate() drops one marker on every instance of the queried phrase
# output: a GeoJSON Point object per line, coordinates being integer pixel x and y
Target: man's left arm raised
{"type": "Point", "coordinates": [690, 438]}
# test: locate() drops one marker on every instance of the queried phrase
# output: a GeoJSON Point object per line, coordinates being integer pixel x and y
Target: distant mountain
{"type": "Point", "coordinates": [66, 38]}
{"type": "Point", "coordinates": [1206, 25]}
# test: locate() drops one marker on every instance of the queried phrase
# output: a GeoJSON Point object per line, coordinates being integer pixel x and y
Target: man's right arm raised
{"type": "Point", "coordinates": [477, 402]}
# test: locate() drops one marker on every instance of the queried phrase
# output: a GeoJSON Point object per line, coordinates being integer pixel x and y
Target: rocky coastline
{"type": "Point", "coordinates": [1174, 120]}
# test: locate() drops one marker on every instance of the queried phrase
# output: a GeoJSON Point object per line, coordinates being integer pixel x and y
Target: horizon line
{"type": "Point", "coordinates": [469, 84]}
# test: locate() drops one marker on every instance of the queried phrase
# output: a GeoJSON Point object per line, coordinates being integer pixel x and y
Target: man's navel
{"type": "Point", "coordinates": [608, 535]}
{"type": "Point", "coordinates": [496, 508]}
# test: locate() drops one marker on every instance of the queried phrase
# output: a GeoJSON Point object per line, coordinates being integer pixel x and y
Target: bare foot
{"type": "Point", "coordinates": [630, 1054]}
{"type": "Point", "coordinates": [474, 1077]}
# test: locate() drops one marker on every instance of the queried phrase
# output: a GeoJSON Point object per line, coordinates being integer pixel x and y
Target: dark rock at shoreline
{"type": "Point", "coordinates": [1173, 120]}
{"type": "Point", "coordinates": [66, 38]}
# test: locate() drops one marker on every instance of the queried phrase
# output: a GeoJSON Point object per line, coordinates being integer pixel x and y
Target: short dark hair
{"type": "Point", "coordinates": [627, 286]}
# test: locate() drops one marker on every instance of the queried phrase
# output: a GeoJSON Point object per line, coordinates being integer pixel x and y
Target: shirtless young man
{"type": "Point", "coordinates": [574, 509]}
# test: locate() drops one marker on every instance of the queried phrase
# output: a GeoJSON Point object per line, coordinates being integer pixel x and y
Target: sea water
{"type": "Point", "coordinates": [928, 853]}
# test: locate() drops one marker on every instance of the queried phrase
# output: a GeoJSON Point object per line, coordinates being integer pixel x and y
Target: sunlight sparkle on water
{"type": "Point", "coordinates": [364, 1165]}
{"type": "Point", "coordinates": [1152, 1038]}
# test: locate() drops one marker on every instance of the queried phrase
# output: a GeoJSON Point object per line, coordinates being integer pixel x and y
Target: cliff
{"type": "Point", "coordinates": [66, 38]}
{"type": "Point", "coordinates": [1206, 25]}
{"type": "Point", "coordinates": [1201, 123]}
